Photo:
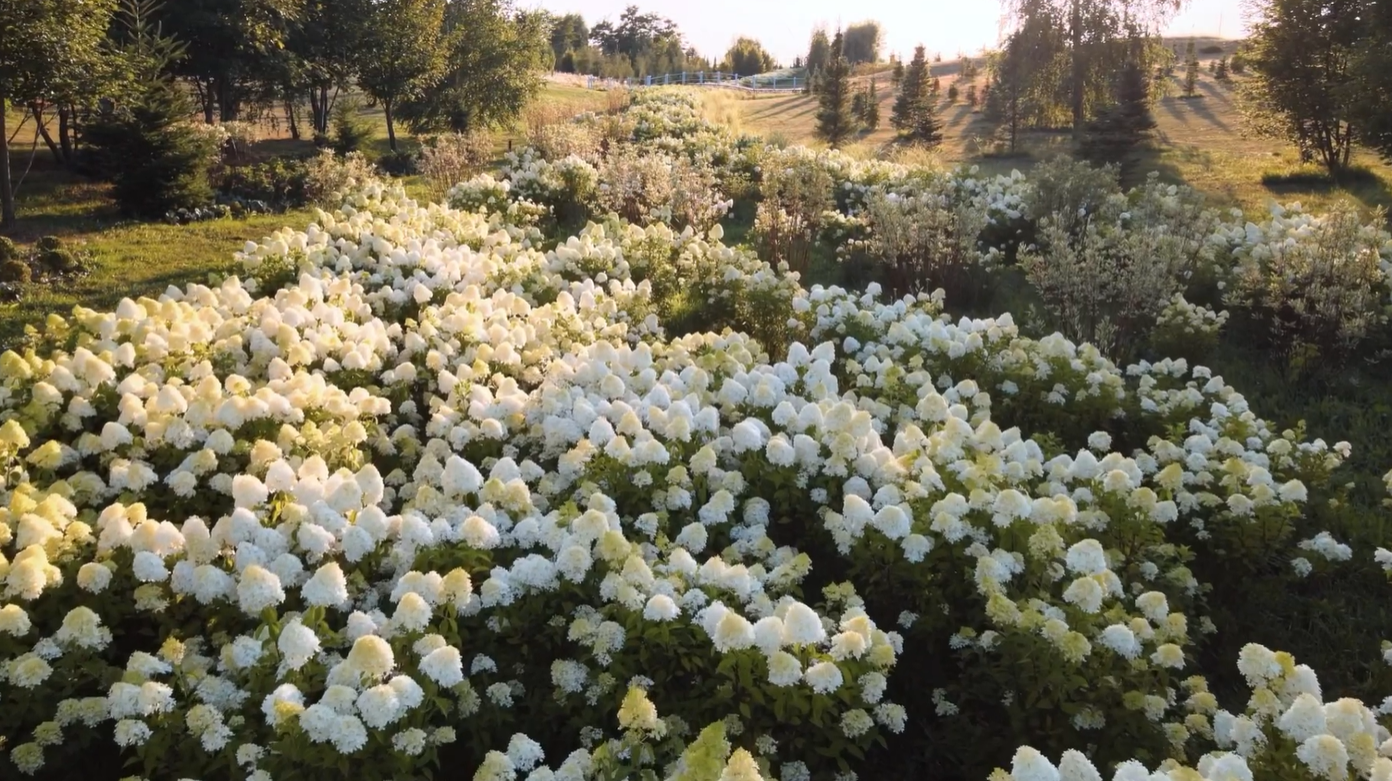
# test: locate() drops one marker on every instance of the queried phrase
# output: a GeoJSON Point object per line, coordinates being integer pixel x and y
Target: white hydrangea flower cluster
{"type": "Point", "coordinates": [1190, 321]}
{"type": "Point", "coordinates": [1287, 724]}
{"type": "Point", "coordinates": [414, 474]}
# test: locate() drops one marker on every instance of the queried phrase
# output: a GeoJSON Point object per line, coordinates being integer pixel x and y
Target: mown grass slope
{"type": "Point", "coordinates": [1203, 141]}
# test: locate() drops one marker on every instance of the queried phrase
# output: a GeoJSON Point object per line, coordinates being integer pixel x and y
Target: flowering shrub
{"type": "Point", "coordinates": [643, 188]}
{"type": "Point", "coordinates": [212, 138]}
{"type": "Point", "coordinates": [1319, 284]}
{"type": "Point", "coordinates": [926, 239]}
{"type": "Point", "coordinates": [567, 186]}
{"type": "Point", "coordinates": [329, 177]}
{"type": "Point", "coordinates": [412, 489]}
{"type": "Point", "coordinates": [1106, 271]}
{"type": "Point", "coordinates": [1287, 730]}
{"type": "Point", "coordinates": [457, 486]}
{"type": "Point", "coordinates": [239, 138]}
{"type": "Point", "coordinates": [1067, 191]}
{"type": "Point", "coordinates": [561, 140]}
{"type": "Point", "coordinates": [449, 159]}
{"type": "Point", "coordinates": [1188, 330]}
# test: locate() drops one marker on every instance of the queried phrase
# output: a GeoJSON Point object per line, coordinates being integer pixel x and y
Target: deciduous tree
{"type": "Point", "coordinates": [491, 68]}
{"type": "Point", "coordinates": [233, 47]}
{"type": "Point", "coordinates": [404, 51]}
{"type": "Point", "coordinates": [747, 56]}
{"type": "Point", "coordinates": [568, 33]}
{"type": "Point", "coordinates": [324, 46]}
{"type": "Point", "coordinates": [1304, 86]}
{"type": "Point", "coordinates": [46, 47]}
{"type": "Point", "coordinates": [862, 42]}
{"type": "Point", "coordinates": [1095, 37]}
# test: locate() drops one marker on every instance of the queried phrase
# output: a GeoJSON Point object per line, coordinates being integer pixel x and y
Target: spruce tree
{"type": "Point", "coordinates": [913, 88]}
{"type": "Point", "coordinates": [952, 93]}
{"type": "Point", "coordinates": [1191, 78]}
{"type": "Point", "coordinates": [896, 76]}
{"type": "Point", "coordinates": [157, 162]}
{"type": "Point", "coordinates": [915, 110]}
{"type": "Point", "coordinates": [1115, 135]}
{"type": "Point", "coordinates": [871, 117]}
{"type": "Point", "coordinates": [835, 121]}
{"type": "Point", "coordinates": [1221, 71]}
{"type": "Point", "coordinates": [927, 128]}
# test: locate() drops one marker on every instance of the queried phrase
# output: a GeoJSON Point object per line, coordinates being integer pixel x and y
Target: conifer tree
{"type": "Point", "coordinates": [1115, 135]}
{"type": "Point", "coordinates": [915, 110]}
{"type": "Point", "coordinates": [871, 117]}
{"type": "Point", "coordinates": [835, 121]}
{"type": "Point", "coordinates": [913, 86]}
{"type": "Point", "coordinates": [155, 158]}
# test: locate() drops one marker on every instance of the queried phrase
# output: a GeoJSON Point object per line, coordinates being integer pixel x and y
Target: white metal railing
{"type": "Point", "coordinates": [764, 83]}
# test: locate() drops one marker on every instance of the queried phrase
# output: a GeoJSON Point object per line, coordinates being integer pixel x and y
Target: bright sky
{"type": "Point", "coordinates": [784, 27]}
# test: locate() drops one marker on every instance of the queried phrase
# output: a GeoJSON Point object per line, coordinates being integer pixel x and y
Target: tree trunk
{"type": "Point", "coordinates": [1079, 64]}
{"type": "Point", "coordinates": [226, 98]}
{"type": "Point", "coordinates": [316, 110]}
{"type": "Point", "coordinates": [37, 109]}
{"type": "Point", "coordinates": [1014, 120]}
{"type": "Point", "coordinates": [67, 129]}
{"type": "Point", "coordinates": [391, 130]}
{"type": "Point", "coordinates": [328, 104]}
{"type": "Point", "coordinates": [7, 207]}
{"type": "Point", "coordinates": [205, 96]}
{"type": "Point", "coordinates": [290, 117]}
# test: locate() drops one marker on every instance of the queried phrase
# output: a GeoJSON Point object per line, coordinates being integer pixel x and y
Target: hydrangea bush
{"type": "Point", "coordinates": [427, 486]}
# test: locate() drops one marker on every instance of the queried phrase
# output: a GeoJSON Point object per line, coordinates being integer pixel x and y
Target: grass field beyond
{"type": "Point", "coordinates": [1201, 141]}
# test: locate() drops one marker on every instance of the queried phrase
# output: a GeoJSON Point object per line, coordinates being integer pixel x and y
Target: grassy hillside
{"type": "Point", "coordinates": [1202, 141]}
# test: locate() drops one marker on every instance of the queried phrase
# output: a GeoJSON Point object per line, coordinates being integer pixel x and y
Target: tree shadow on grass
{"type": "Point", "coordinates": [1199, 105]}
{"type": "Point", "coordinates": [54, 201]}
{"type": "Point", "coordinates": [1215, 92]}
{"type": "Point", "coordinates": [1172, 108]}
{"type": "Point", "coordinates": [1151, 158]}
{"type": "Point", "coordinates": [1359, 182]}
{"type": "Point", "coordinates": [775, 108]}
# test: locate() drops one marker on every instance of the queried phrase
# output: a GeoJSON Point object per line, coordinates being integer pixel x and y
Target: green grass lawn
{"type": "Point", "coordinates": [140, 258]}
